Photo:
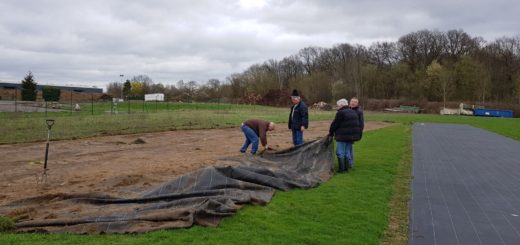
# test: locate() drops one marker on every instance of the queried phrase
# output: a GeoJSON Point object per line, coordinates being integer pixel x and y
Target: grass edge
{"type": "Point", "coordinates": [399, 214]}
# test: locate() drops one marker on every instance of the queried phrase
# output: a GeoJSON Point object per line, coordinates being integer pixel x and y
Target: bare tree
{"type": "Point", "coordinates": [291, 68]}
{"type": "Point", "coordinates": [145, 80]}
{"type": "Point", "coordinates": [459, 43]}
{"type": "Point", "coordinates": [408, 46]}
{"type": "Point", "coordinates": [503, 57]}
{"type": "Point", "coordinates": [384, 54]}
{"type": "Point", "coordinates": [309, 57]}
{"type": "Point", "coordinates": [114, 89]}
{"type": "Point", "coordinates": [420, 49]}
{"type": "Point", "coordinates": [214, 90]}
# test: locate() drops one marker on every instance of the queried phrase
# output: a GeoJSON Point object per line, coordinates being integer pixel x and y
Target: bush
{"type": "Point", "coordinates": [281, 98]}
{"type": "Point", "coordinates": [51, 93]}
{"type": "Point", "coordinates": [6, 224]}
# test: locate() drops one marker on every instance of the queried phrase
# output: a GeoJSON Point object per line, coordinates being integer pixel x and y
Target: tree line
{"type": "Point", "coordinates": [426, 65]}
{"type": "Point", "coordinates": [136, 87]}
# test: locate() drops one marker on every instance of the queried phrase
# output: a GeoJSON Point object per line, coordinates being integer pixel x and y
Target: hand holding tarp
{"type": "Point", "coordinates": [329, 140]}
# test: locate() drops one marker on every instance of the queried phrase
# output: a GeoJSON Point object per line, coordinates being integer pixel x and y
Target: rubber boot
{"type": "Point", "coordinates": [341, 163]}
{"type": "Point", "coordinates": [348, 163]}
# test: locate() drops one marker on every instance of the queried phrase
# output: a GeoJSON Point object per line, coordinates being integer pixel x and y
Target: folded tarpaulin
{"type": "Point", "coordinates": [202, 197]}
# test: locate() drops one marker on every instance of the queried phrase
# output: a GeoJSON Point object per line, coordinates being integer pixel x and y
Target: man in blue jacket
{"type": "Point", "coordinates": [354, 105]}
{"type": "Point", "coordinates": [298, 118]}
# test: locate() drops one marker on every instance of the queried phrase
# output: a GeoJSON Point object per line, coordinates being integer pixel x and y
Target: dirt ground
{"type": "Point", "coordinates": [120, 166]}
{"type": "Point", "coordinates": [9, 106]}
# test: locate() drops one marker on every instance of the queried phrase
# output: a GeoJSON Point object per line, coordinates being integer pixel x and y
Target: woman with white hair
{"type": "Point", "coordinates": [346, 130]}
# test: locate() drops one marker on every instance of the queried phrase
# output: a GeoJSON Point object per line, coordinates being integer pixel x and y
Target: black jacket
{"type": "Point", "coordinates": [361, 119]}
{"type": "Point", "coordinates": [345, 126]}
{"type": "Point", "coordinates": [300, 116]}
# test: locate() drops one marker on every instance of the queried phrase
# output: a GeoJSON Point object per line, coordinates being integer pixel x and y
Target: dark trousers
{"type": "Point", "coordinates": [297, 137]}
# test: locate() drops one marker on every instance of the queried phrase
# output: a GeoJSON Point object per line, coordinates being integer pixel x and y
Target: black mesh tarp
{"type": "Point", "coordinates": [202, 197]}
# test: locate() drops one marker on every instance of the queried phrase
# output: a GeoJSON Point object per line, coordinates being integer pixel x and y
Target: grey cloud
{"type": "Point", "coordinates": [92, 42]}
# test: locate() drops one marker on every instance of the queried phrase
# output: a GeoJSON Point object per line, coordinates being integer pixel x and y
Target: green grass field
{"type": "Point", "coordinates": [509, 127]}
{"type": "Point", "coordinates": [366, 206]}
{"type": "Point", "coordinates": [132, 107]}
{"type": "Point", "coordinates": [30, 127]}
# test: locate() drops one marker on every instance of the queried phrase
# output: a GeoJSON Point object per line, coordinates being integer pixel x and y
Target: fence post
{"type": "Point", "coordinates": [71, 102]}
{"type": "Point", "coordinates": [45, 108]}
{"type": "Point", "coordinates": [128, 102]}
{"type": "Point", "coordinates": [92, 103]}
{"type": "Point", "coordinates": [218, 101]}
{"type": "Point", "coordinates": [15, 100]}
{"type": "Point", "coordinates": [143, 104]}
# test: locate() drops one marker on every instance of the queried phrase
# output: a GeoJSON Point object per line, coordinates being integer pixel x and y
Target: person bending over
{"type": "Point", "coordinates": [255, 131]}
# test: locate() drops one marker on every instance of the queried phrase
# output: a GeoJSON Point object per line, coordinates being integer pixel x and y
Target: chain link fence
{"type": "Point", "coordinates": [87, 116]}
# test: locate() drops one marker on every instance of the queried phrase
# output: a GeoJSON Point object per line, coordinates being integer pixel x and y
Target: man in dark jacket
{"type": "Point", "coordinates": [354, 105]}
{"type": "Point", "coordinates": [298, 118]}
{"type": "Point", "coordinates": [253, 130]}
{"type": "Point", "coordinates": [346, 130]}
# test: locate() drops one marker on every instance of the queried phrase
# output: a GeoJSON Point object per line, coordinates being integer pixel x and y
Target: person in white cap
{"type": "Point", "coordinates": [346, 130]}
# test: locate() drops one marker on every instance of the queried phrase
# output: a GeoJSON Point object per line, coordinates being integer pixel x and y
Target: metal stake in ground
{"type": "Point", "coordinates": [50, 123]}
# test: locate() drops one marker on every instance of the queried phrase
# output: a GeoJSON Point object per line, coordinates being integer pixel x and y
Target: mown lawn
{"type": "Point", "coordinates": [351, 208]}
{"type": "Point", "coordinates": [509, 127]}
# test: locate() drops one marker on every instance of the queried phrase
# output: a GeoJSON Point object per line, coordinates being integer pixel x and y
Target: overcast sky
{"type": "Point", "coordinates": [90, 43]}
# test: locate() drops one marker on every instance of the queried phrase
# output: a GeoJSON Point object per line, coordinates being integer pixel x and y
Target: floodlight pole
{"type": "Point", "coordinates": [92, 103]}
{"type": "Point", "coordinates": [71, 101]}
{"type": "Point", "coordinates": [122, 85]}
{"type": "Point", "coordinates": [128, 102]}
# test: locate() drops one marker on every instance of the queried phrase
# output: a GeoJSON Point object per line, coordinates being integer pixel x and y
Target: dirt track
{"type": "Point", "coordinates": [117, 166]}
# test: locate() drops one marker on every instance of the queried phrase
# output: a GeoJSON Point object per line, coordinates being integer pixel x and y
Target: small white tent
{"type": "Point", "coordinates": [154, 97]}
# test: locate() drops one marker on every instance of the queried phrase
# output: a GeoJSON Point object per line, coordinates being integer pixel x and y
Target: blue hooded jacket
{"type": "Point", "coordinates": [300, 116]}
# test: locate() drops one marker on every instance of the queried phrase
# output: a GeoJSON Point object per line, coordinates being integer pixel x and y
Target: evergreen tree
{"type": "Point", "coordinates": [29, 88]}
{"type": "Point", "coordinates": [127, 87]}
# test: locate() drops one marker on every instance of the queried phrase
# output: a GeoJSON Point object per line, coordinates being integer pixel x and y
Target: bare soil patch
{"type": "Point", "coordinates": [125, 165]}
